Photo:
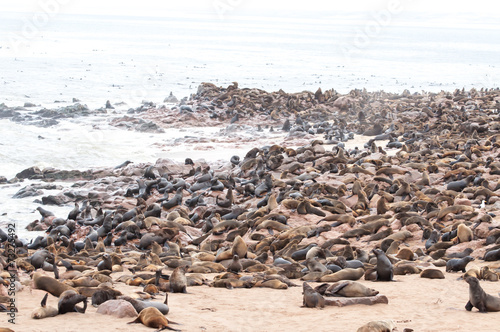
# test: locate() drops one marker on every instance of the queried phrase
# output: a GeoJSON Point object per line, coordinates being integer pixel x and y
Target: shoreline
{"type": "Point", "coordinates": [429, 166]}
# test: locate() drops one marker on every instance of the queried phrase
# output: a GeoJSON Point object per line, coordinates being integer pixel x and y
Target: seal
{"type": "Point", "coordinates": [384, 267]}
{"type": "Point", "coordinates": [178, 280]}
{"type": "Point", "coordinates": [152, 317]}
{"type": "Point", "coordinates": [492, 255]}
{"type": "Point", "coordinates": [49, 284]}
{"type": "Point", "coordinates": [458, 264]}
{"type": "Point", "coordinates": [314, 266]}
{"type": "Point", "coordinates": [44, 311]}
{"type": "Point", "coordinates": [235, 265]}
{"type": "Point", "coordinates": [239, 247]}
{"type": "Point", "coordinates": [464, 234]}
{"type": "Point", "coordinates": [432, 274]}
{"type": "Point", "coordinates": [68, 300]}
{"type": "Point", "coordinates": [103, 295]}
{"type": "Point", "coordinates": [344, 274]}
{"type": "Point", "coordinates": [378, 326]}
{"type": "Point", "coordinates": [479, 298]}
{"type": "Point", "coordinates": [42, 258]}
{"type": "Point", "coordinates": [349, 289]}
{"type": "Point", "coordinates": [105, 264]}
{"type": "Point", "coordinates": [311, 298]}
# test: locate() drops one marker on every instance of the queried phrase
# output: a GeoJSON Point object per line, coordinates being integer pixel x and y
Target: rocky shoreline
{"type": "Point", "coordinates": [307, 208]}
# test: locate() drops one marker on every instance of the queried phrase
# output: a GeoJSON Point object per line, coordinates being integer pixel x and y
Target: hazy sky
{"type": "Point", "coordinates": [269, 7]}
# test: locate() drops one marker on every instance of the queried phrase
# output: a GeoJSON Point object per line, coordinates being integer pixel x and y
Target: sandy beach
{"type": "Point", "coordinates": [414, 302]}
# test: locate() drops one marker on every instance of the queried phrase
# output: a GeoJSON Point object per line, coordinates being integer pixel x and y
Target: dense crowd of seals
{"type": "Point", "coordinates": [319, 212]}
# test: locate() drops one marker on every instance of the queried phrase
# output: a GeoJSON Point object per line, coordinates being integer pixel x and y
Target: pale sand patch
{"type": "Point", "coordinates": [420, 304]}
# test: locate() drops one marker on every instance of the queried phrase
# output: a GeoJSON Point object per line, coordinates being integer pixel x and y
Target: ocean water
{"type": "Point", "coordinates": [131, 59]}
{"type": "Point", "coordinates": [96, 58]}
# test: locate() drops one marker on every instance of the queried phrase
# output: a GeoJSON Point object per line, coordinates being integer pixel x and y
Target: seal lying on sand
{"type": "Point", "coordinates": [44, 311]}
{"type": "Point", "coordinates": [152, 317]}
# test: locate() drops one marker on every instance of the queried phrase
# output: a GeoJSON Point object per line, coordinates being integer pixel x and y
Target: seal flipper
{"type": "Point", "coordinates": [469, 306]}
{"type": "Point", "coordinates": [339, 287]}
{"type": "Point", "coordinates": [82, 310]}
{"type": "Point", "coordinates": [137, 320]}
{"type": "Point", "coordinates": [67, 265]}
{"type": "Point", "coordinates": [56, 271]}
{"type": "Point", "coordinates": [166, 328]}
{"type": "Point", "coordinates": [44, 300]}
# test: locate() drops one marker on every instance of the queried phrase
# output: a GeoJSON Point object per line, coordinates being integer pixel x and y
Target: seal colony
{"type": "Point", "coordinates": [425, 203]}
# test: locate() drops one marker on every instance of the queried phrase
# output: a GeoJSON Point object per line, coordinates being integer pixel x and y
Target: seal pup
{"type": "Point", "coordinates": [378, 326]}
{"type": "Point", "coordinates": [479, 299]}
{"type": "Point", "coordinates": [311, 298]}
{"type": "Point", "coordinates": [105, 264]}
{"type": "Point", "coordinates": [384, 268]}
{"type": "Point", "coordinates": [178, 280]}
{"type": "Point", "coordinates": [44, 311]}
{"type": "Point", "coordinates": [458, 264]}
{"type": "Point", "coordinates": [152, 317]}
{"type": "Point", "coordinates": [235, 265]}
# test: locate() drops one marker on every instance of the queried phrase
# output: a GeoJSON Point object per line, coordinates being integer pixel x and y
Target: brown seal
{"type": "Point", "coordinates": [239, 247]}
{"type": "Point", "coordinates": [311, 298]}
{"type": "Point", "coordinates": [152, 317]}
{"type": "Point", "coordinates": [49, 284]}
{"type": "Point", "coordinates": [314, 266]}
{"type": "Point", "coordinates": [464, 234]}
{"type": "Point", "coordinates": [68, 300]}
{"type": "Point", "coordinates": [104, 294]}
{"type": "Point", "coordinates": [487, 274]}
{"type": "Point", "coordinates": [479, 299]}
{"type": "Point", "coordinates": [393, 248]}
{"type": "Point", "coordinates": [44, 311]}
{"type": "Point", "coordinates": [349, 288]}
{"type": "Point", "coordinates": [432, 274]}
{"type": "Point", "coordinates": [344, 274]}
{"type": "Point", "coordinates": [406, 254]}
{"type": "Point", "coordinates": [235, 265]}
{"type": "Point", "coordinates": [178, 280]}
{"type": "Point", "coordinates": [403, 268]}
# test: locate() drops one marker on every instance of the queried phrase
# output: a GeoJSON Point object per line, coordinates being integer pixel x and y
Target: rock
{"type": "Point", "coordinates": [28, 104]}
{"type": "Point", "coordinates": [28, 191]}
{"type": "Point", "coordinates": [117, 308]}
{"type": "Point", "coordinates": [149, 127]}
{"type": "Point", "coordinates": [171, 99]}
{"type": "Point", "coordinates": [368, 300]}
{"type": "Point", "coordinates": [55, 200]}
{"type": "Point", "coordinates": [29, 173]}
{"type": "Point", "coordinates": [186, 108]}
{"type": "Point", "coordinates": [7, 112]}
